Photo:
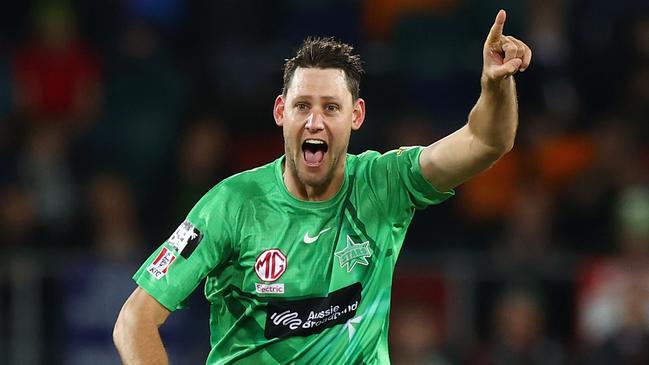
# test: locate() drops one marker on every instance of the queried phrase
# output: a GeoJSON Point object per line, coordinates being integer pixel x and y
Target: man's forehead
{"type": "Point", "coordinates": [320, 82]}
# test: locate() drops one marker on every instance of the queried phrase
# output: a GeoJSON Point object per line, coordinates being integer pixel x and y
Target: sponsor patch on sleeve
{"type": "Point", "coordinates": [403, 149]}
{"type": "Point", "coordinates": [160, 265]}
{"type": "Point", "coordinates": [185, 239]}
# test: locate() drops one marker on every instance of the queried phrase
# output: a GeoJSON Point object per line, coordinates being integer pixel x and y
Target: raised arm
{"type": "Point", "coordinates": [491, 128]}
{"type": "Point", "coordinates": [136, 333]}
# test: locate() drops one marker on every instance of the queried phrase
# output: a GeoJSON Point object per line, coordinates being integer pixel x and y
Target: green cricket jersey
{"type": "Point", "coordinates": [291, 281]}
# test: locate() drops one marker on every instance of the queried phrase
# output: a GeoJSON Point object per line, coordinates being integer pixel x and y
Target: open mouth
{"type": "Point", "coordinates": [314, 151]}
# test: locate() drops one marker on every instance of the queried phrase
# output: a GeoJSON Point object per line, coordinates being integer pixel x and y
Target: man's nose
{"type": "Point", "coordinates": [315, 122]}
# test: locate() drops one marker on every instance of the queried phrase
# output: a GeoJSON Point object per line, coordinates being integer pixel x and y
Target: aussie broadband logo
{"type": "Point", "coordinates": [287, 318]}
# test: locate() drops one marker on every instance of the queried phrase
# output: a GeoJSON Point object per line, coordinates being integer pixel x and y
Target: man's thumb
{"type": "Point", "coordinates": [508, 68]}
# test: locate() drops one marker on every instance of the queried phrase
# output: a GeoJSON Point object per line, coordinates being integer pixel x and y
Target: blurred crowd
{"type": "Point", "coordinates": [117, 116]}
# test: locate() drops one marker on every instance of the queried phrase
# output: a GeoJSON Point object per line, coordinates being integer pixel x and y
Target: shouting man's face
{"type": "Point", "coordinates": [317, 115]}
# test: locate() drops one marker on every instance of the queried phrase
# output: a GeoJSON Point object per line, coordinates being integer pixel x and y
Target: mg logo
{"type": "Point", "coordinates": [270, 265]}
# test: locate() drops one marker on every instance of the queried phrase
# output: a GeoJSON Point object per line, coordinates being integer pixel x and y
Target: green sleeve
{"type": "Point", "coordinates": [200, 244]}
{"type": "Point", "coordinates": [397, 181]}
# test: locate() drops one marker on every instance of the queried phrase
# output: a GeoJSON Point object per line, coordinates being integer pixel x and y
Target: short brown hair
{"type": "Point", "coordinates": [317, 52]}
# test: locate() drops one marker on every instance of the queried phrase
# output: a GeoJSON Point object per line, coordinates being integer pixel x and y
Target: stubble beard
{"type": "Point", "coordinates": [319, 185]}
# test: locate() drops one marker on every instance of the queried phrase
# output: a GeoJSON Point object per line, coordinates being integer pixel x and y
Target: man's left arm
{"type": "Point", "coordinates": [491, 128]}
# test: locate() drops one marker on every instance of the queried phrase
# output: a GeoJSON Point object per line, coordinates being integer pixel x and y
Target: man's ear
{"type": "Point", "coordinates": [358, 115]}
{"type": "Point", "coordinates": [278, 110]}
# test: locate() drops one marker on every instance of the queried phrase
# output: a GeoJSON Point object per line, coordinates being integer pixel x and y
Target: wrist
{"type": "Point", "coordinates": [496, 86]}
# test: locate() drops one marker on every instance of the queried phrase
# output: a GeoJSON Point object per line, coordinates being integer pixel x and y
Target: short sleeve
{"type": "Point", "coordinates": [200, 244]}
{"type": "Point", "coordinates": [397, 181]}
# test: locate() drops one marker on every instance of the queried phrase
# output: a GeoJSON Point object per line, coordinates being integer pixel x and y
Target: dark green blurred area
{"type": "Point", "coordinates": [115, 117]}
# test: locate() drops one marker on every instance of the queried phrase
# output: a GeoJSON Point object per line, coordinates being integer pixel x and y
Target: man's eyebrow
{"type": "Point", "coordinates": [333, 98]}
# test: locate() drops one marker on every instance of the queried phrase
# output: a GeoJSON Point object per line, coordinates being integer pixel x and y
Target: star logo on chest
{"type": "Point", "coordinates": [349, 326]}
{"type": "Point", "coordinates": [354, 253]}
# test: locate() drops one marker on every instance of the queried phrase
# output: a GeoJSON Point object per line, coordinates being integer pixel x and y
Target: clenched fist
{"type": "Point", "coordinates": [503, 55]}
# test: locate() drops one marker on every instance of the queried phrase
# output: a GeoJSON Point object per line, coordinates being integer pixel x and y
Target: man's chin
{"type": "Point", "coordinates": [317, 178]}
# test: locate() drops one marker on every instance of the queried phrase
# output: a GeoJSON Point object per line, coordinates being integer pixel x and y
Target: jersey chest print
{"type": "Point", "coordinates": [353, 252]}
{"type": "Point", "coordinates": [305, 317]}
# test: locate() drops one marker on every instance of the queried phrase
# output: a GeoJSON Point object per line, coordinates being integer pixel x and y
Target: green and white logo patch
{"type": "Point", "coordinates": [354, 253]}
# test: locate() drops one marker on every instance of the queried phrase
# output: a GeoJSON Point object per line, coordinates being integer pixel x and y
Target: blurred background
{"type": "Point", "coordinates": [116, 116]}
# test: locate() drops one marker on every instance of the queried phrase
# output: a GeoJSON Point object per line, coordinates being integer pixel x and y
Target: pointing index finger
{"type": "Point", "coordinates": [497, 29]}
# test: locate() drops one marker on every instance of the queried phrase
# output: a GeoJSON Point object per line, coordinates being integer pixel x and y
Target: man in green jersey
{"type": "Point", "coordinates": [298, 255]}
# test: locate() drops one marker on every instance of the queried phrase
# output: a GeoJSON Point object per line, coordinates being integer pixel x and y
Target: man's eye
{"type": "Point", "coordinates": [302, 106]}
{"type": "Point", "coordinates": [332, 108]}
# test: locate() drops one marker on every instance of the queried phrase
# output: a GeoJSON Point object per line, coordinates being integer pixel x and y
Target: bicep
{"type": "Point", "coordinates": [455, 158]}
{"type": "Point", "coordinates": [141, 306]}
{"type": "Point", "coordinates": [136, 334]}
